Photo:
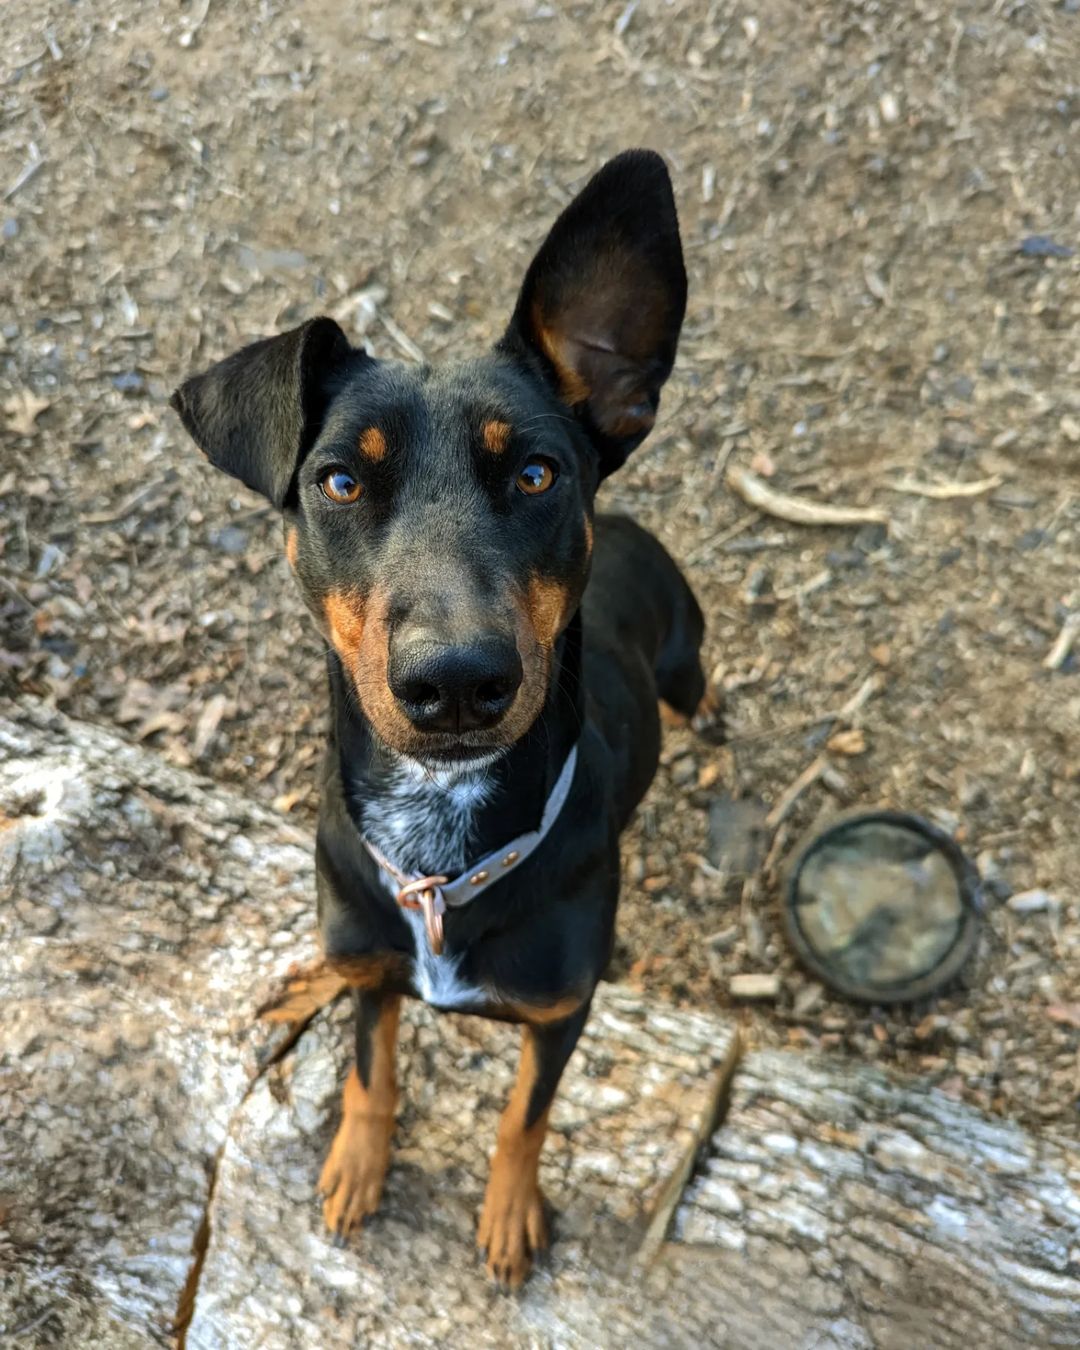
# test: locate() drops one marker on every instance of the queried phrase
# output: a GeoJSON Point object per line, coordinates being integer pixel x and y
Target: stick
{"type": "Point", "coordinates": [36, 160]}
{"type": "Point", "coordinates": [407, 345]}
{"type": "Point", "coordinates": [1059, 653]}
{"type": "Point", "coordinates": [795, 790]}
{"type": "Point", "coordinates": [873, 684]}
{"type": "Point", "coordinates": [945, 492]}
{"type": "Point", "coordinates": [797, 510]}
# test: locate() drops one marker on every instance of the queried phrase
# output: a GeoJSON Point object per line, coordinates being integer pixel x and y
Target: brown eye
{"type": "Point", "coordinates": [537, 476]}
{"type": "Point", "coordinates": [340, 486]}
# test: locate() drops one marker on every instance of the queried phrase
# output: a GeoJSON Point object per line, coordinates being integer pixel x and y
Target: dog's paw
{"type": "Point", "coordinates": [352, 1177]}
{"type": "Point", "coordinates": [512, 1231]}
{"type": "Point", "coordinates": [708, 720]}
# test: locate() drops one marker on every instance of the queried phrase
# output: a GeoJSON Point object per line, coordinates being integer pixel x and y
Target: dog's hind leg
{"type": "Point", "coordinates": [680, 680]}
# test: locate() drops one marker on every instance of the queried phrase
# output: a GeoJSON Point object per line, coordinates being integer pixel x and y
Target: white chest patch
{"type": "Point", "coordinates": [422, 820]}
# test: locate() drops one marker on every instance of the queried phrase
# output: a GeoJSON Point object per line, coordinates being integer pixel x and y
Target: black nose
{"type": "Point", "coordinates": [454, 688]}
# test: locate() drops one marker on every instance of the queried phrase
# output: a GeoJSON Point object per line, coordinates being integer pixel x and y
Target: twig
{"type": "Point", "coordinates": [725, 536]}
{"type": "Point", "coordinates": [407, 345]}
{"type": "Point", "coordinates": [795, 790]}
{"type": "Point", "coordinates": [1059, 653]}
{"type": "Point", "coordinates": [872, 685]}
{"type": "Point", "coordinates": [797, 510]}
{"type": "Point", "coordinates": [36, 160]}
{"type": "Point", "coordinates": [945, 492]}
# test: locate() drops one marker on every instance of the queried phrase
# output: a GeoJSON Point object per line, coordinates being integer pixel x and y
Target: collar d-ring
{"type": "Point", "coordinates": [424, 894]}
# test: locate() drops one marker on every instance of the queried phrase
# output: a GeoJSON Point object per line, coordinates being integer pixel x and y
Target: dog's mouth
{"type": "Point", "coordinates": [458, 753]}
{"type": "Point", "coordinates": [451, 758]}
{"type": "Point", "coordinates": [448, 752]}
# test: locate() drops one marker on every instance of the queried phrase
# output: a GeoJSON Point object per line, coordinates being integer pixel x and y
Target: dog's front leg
{"type": "Point", "coordinates": [352, 1178]}
{"type": "Point", "coordinates": [512, 1224]}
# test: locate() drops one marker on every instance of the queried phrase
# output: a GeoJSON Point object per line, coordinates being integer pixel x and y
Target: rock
{"type": "Point", "coordinates": [1042, 246]}
{"type": "Point", "coordinates": [1032, 902]}
{"type": "Point", "coordinates": [737, 835]}
{"type": "Point", "coordinates": [754, 986]}
{"type": "Point", "coordinates": [684, 770]}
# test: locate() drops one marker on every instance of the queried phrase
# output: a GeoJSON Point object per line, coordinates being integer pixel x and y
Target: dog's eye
{"type": "Point", "coordinates": [340, 486]}
{"type": "Point", "coordinates": [537, 476]}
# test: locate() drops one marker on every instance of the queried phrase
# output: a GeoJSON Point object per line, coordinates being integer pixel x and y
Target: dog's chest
{"type": "Point", "coordinates": [423, 823]}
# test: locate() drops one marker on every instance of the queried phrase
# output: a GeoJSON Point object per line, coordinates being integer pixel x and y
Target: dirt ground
{"type": "Point", "coordinates": [879, 210]}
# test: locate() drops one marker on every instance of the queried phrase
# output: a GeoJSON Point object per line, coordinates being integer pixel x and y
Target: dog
{"type": "Point", "coordinates": [496, 654]}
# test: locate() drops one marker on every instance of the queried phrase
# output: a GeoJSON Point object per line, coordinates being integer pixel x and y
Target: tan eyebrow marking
{"type": "Point", "coordinates": [372, 443]}
{"type": "Point", "coordinates": [496, 436]}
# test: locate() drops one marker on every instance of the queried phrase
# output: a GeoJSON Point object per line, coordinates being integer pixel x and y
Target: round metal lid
{"type": "Point", "coordinates": [882, 906]}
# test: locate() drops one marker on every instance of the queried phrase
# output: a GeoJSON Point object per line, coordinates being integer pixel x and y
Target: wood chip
{"type": "Point", "coordinates": [798, 510]}
{"type": "Point", "coordinates": [754, 986]}
{"type": "Point", "coordinates": [946, 492]}
{"type": "Point", "coordinates": [1059, 653]}
{"type": "Point", "coordinates": [207, 724]}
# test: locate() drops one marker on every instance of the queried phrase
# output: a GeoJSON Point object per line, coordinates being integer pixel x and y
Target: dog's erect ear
{"type": "Point", "coordinates": [256, 413]}
{"type": "Point", "coordinates": [603, 301]}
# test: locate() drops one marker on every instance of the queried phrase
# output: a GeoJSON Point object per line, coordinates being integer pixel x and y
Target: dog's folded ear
{"type": "Point", "coordinates": [256, 413]}
{"type": "Point", "coordinates": [603, 301]}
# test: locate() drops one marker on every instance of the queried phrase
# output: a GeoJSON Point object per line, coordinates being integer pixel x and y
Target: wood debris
{"type": "Point", "coordinates": [798, 510]}
{"type": "Point", "coordinates": [1059, 653]}
{"type": "Point", "coordinates": [754, 986]}
{"type": "Point", "coordinates": [946, 492]}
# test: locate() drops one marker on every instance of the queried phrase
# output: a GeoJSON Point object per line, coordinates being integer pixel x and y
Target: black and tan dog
{"type": "Point", "coordinates": [496, 656]}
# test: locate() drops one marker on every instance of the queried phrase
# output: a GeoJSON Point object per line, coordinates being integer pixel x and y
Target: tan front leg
{"type": "Point", "coordinates": [512, 1225]}
{"type": "Point", "coordinates": [352, 1178]}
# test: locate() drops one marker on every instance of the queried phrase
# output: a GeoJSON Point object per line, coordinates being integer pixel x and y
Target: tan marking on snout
{"type": "Point", "coordinates": [546, 603]}
{"type": "Point", "coordinates": [588, 537]}
{"type": "Point", "coordinates": [496, 436]}
{"type": "Point", "coordinates": [292, 543]}
{"type": "Point", "coordinates": [361, 635]}
{"type": "Point", "coordinates": [344, 612]}
{"type": "Point", "coordinates": [372, 444]}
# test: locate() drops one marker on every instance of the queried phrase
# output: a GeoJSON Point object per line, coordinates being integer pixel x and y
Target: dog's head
{"type": "Point", "coordinates": [439, 519]}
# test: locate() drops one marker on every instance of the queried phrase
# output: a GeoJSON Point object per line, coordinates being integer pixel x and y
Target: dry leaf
{"type": "Point", "coordinates": [881, 655]}
{"type": "Point", "coordinates": [851, 742]}
{"type": "Point", "coordinates": [23, 410]}
{"type": "Point", "coordinates": [762, 463]}
{"type": "Point", "coordinates": [709, 774]}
